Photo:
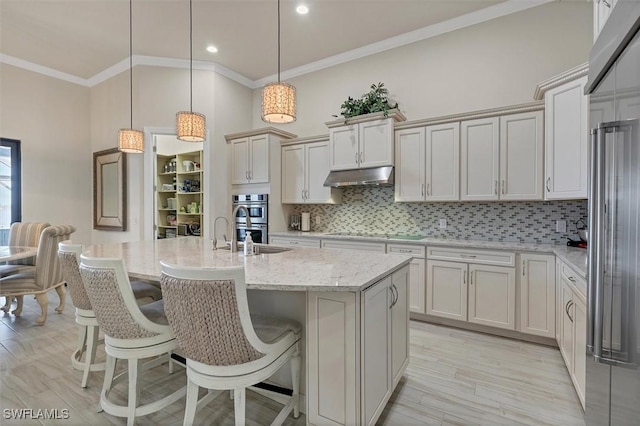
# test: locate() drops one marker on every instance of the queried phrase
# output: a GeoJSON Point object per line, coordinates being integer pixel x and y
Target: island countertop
{"type": "Point", "coordinates": [297, 269]}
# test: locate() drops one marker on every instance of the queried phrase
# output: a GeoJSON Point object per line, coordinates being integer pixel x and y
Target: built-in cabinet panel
{"type": "Point", "coordinates": [250, 160]}
{"type": "Point", "coordinates": [376, 143]}
{"type": "Point", "coordinates": [294, 242]}
{"type": "Point", "coordinates": [240, 161]}
{"type": "Point", "coordinates": [442, 172]}
{"type": "Point", "coordinates": [410, 165]}
{"type": "Point", "coordinates": [492, 295]}
{"type": "Point", "coordinates": [601, 12]}
{"type": "Point", "coordinates": [538, 294]}
{"type": "Point", "coordinates": [447, 289]}
{"type": "Point", "coordinates": [344, 147]}
{"type": "Point", "coordinates": [354, 245]}
{"type": "Point", "coordinates": [480, 145]}
{"type": "Point", "coordinates": [399, 320]}
{"type": "Point", "coordinates": [521, 149]}
{"type": "Point", "coordinates": [293, 174]}
{"type": "Point", "coordinates": [566, 145]}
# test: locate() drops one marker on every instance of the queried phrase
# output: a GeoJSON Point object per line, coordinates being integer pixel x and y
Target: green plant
{"type": "Point", "coordinates": [376, 100]}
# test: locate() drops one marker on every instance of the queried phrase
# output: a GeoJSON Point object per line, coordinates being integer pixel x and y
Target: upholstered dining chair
{"type": "Point", "coordinates": [24, 234]}
{"type": "Point", "coordinates": [131, 332]}
{"type": "Point", "coordinates": [46, 275]}
{"type": "Point", "coordinates": [225, 347]}
{"type": "Point", "coordinates": [69, 256]}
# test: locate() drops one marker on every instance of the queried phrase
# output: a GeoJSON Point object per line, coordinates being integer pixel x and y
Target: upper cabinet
{"type": "Point", "coordinates": [427, 163]}
{"type": "Point", "coordinates": [601, 11]}
{"type": "Point", "coordinates": [501, 157]}
{"type": "Point", "coordinates": [566, 134]}
{"type": "Point", "coordinates": [305, 166]}
{"type": "Point", "coordinates": [250, 154]}
{"type": "Point", "coordinates": [365, 141]}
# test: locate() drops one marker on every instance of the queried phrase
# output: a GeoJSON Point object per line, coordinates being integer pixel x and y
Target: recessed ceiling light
{"type": "Point", "coordinates": [212, 49]}
{"type": "Point", "coordinates": [302, 9]}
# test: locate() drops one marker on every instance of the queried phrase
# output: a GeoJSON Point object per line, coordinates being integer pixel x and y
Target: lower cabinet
{"type": "Point", "coordinates": [537, 279]}
{"type": "Point", "coordinates": [354, 245]}
{"type": "Point", "coordinates": [294, 242]}
{"type": "Point", "coordinates": [417, 267]}
{"type": "Point", "coordinates": [573, 329]}
{"type": "Point", "coordinates": [481, 294]}
{"type": "Point", "coordinates": [358, 349]}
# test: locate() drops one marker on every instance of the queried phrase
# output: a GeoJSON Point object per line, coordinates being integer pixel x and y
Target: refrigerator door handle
{"type": "Point", "coordinates": [593, 230]}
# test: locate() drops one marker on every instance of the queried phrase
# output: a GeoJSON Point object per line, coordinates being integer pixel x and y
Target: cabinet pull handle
{"type": "Point", "coordinates": [569, 307]}
{"type": "Point", "coordinates": [566, 308]}
{"type": "Point", "coordinates": [523, 268]}
{"type": "Point", "coordinates": [606, 3]}
{"type": "Point", "coordinates": [504, 187]}
{"type": "Point", "coordinates": [464, 278]}
{"type": "Point", "coordinates": [246, 175]}
{"type": "Point", "coordinates": [428, 189]}
{"type": "Point", "coordinates": [395, 289]}
{"type": "Point", "coordinates": [495, 187]}
{"type": "Point", "coordinates": [362, 157]}
{"type": "Point", "coordinates": [468, 256]}
{"type": "Point", "coordinates": [547, 184]}
{"type": "Point", "coordinates": [302, 194]}
{"type": "Point", "coordinates": [422, 189]}
{"type": "Point", "coordinates": [392, 297]}
{"type": "Point", "coordinates": [293, 243]}
{"type": "Point", "coordinates": [470, 277]}
{"type": "Point", "coordinates": [356, 158]}
{"type": "Point", "coordinates": [573, 280]}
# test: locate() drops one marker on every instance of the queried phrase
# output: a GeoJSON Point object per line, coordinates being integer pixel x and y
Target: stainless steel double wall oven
{"type": "Point", "coordinates": [258, 207]}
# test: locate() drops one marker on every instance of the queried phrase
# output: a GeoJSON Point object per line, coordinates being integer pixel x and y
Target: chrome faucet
{"type": "Point", "coordinates": [215, 240]}
{"type": "Point", "coordinates": [234, 234]}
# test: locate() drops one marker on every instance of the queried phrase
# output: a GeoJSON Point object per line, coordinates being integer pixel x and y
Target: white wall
{"type": "Point", "coordinates": [493, 64]}
{"type": "Point", "coordinates": [50, 117]}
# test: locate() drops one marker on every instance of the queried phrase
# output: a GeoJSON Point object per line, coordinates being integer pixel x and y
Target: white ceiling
{"type": "Point", "coordinates": [83, 38]}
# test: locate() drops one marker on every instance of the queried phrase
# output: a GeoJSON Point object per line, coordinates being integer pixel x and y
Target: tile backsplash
{"type": "Point", "coordinates": [373, 210]}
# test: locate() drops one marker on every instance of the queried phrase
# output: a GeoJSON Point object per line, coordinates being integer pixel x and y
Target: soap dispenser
{"type": "Point", "coordinates": [248, 244]}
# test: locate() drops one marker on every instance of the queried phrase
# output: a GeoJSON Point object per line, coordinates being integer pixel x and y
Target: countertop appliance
{"type": "Point", "coordinates": [613, 295]}
{"type": "Point", "coordinates": [258, 207]}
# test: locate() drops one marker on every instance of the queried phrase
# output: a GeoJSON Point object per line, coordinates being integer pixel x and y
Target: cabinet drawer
{"type": "Point", "coordinates": [575, 279]}
{"type": "Point", "coordinates": [294, 242]}
{"type": "Point", "coordinates": [409, 250]}
{"type": "Point", "coordinates": [483, 257]}
{"type": "Point", "coordinates": [353, 245]}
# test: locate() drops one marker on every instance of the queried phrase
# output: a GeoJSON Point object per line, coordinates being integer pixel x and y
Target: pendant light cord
{"type": "Point", "coordinates": [131, 62]}
{"type": "Point", "coordinates": [191, 55]}
{"type": "Point", "coordinates": [278, 41]}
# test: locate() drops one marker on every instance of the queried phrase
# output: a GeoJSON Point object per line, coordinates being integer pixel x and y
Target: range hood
{"type": "Point", "coordinates": [376, 176]}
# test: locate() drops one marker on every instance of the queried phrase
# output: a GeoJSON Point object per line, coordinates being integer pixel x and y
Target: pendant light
{"type": "Point", "coordinates": [278, 99]}
{"type": "Point", "coordinates": [131, 140]}
{"type": "Point", "coordinates": [190, 126]}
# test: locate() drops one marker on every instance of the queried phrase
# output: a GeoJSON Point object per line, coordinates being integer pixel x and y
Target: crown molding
{"type": "Point", "coordinates": [473, 18]}
{"type": "Point", "coordinates": [264, 130]}
{"type": "Point", "coordinates": [560, 79]}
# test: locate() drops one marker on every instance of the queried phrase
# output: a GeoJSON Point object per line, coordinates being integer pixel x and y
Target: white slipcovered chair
{"type": "Point", "coordinates": [131, 332]}
{"type": "Point", "coordinates": [46, 275]}
{"type": "Point", "coordinates": [23, 234]}
{"type": "Point", "coordinates": [69, 256]}
{"type": "Point", "coordinates": [225, 347]}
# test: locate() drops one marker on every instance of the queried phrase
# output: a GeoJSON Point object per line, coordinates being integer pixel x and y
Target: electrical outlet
{"type": "Point", "coordinates": [561, 226]}
{"type": "Point", "coordinates": [318, 219]}
{"type": "Point", "coordinates": [443, 223]}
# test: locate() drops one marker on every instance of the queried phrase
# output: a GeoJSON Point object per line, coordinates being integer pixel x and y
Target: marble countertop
{"type": "Point", "coordinates": [298, 269]}
{"type": "Point", "coordinates": [574, 257]}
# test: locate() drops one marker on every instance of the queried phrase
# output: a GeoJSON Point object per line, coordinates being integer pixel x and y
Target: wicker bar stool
{"type": "Point", "coordinates": [69, 256]}
{"type": "Point", "coordinates": [131, 332]}
{"type": "Point", "coordinates": [225, 347]}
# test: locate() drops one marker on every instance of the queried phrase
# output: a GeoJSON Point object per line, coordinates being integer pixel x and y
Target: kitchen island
{"type": "Point", "coordinates": [353, 307]}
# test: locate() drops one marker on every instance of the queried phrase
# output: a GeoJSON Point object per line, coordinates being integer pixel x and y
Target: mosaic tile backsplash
{"type": "Point", "coordinates": [373, 210]}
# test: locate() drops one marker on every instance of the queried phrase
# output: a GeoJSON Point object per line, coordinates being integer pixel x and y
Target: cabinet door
{"type": "Point", "coordinates": [417, 286]}
{"type": "Point", "coordinates": [566, 142]}
{"type": "Point", "coordinates": [376, 143]}
{"type": "Point", "coordinates": [400, 324]}
{"type": "Point", "coordinates": [259, 158]}
{"type": "Point", "coordinates": [447, 289]}
{"type": "Point", "coordinates": [376, 350]}
{"type": "Point", "coordinates": [317, 169]}
{"type": "Point", "coordinates": [579, 345]}
{"type": "Point", "coordinates": [293, 174]}
{"type": "Point", "coordinates": [443, 162]}
{"type": "Point", "coordinates": [479, 159]}
{"type": "Point", "coordinates": [343, 147]}
{"type": "Point", "coordinates": [521, 156]}
{"type": "Point", "coordinates": [492, 296]}
{"type": "Point", "coordinates": [410, 165]}
{"type": "Point", "coordinates": [354, 245]}
{"type": "Point", "coordinates": [537, 294]}
{"type": "Point", "coordinates": [240, 161]}
{"type": "Point", "coordinates": [566, 334]}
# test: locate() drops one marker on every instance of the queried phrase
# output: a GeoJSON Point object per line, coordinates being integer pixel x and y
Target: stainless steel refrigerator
{"type": "Point", "coordinates": [613, 319]}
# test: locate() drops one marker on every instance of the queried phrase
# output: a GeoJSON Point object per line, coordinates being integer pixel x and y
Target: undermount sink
{"type": "Point", "coordinates": [260, 249]}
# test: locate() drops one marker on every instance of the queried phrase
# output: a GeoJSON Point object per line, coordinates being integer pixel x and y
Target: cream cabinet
{"type": "Point", "coordinates": [250, 159]}
{"type": "Point", "coordinates": [427, 163]}
{"type": "Point", "coordinates": [305, 166]}
{"type": "Point", "coordinates": [294, 242]}
{"type": "Point", "coordinates": [476, 286]}
{"type": "Point", "coordinates": [354, 245]}
{"type": "Point", "coordinates": [385, 342]}
{"type": "Point", "coordinates": [501, 157]}
{"type": "Point", "coordinates": [566, 145]}
{"type": "Point", "coordinates": [573, 332]}
{"type": "Point", "coordinates": [417, 269]}
{"type": "Point", "coordinates": [601, 11]}
{"type": "Point", "coordinates": [366, 141]}
{"type": "Point", "coordinates": [537, 279]}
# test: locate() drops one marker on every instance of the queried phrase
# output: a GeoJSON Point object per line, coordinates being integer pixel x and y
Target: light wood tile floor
{"type": "Point", "coordinates": [454, 377]}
